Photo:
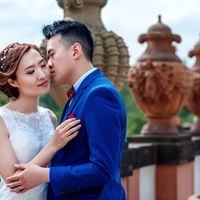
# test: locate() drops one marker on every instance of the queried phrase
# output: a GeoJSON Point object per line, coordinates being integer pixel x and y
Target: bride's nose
{"type": "Point", "coordinates": [41, 74]}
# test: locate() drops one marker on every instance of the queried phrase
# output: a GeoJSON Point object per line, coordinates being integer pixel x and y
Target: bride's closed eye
{"type": "Point", "coordinates": [30, 72]}
{"type": "Point", "coordinates": [43, 66]}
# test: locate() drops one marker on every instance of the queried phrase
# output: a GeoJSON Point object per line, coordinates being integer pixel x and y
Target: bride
{"type": "Point", "coordinates": [27, 131]}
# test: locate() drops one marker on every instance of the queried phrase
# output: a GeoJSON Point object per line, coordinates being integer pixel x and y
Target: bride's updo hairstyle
{"type": "Point", "coordinates": [9, 61]}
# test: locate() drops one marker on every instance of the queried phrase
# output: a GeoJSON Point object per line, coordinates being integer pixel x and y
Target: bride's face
{"type": "Point", "coordinates": [33, 75]}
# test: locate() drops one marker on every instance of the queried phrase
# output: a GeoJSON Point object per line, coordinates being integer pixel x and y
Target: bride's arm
{"type": "Point", "coordinates": [28, 177]}
{"type": "Point", "coordinates": [64, 133]}
{"type": "Point", "coordinates": [7, 154]}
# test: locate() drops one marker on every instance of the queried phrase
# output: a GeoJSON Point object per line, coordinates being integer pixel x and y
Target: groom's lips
{"type": "Point", "coordinates": [52, 72]}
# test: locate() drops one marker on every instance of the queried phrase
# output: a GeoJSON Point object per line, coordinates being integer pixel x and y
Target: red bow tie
{"type": "Point", "coordinates": [70, 93]}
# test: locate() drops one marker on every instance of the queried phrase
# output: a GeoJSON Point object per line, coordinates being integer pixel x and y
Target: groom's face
{"type": "Point", "coordinates": [60, 60]}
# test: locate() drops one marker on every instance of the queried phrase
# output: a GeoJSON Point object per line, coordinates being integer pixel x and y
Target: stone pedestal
{"type": "Point", "coordinates": [174, 166]}
{"type": "Point", "coordinates": [174, 182]}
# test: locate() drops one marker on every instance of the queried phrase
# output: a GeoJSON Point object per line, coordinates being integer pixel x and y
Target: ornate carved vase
{"type": "Point", "coordinates": [110, 52]}
{"type": "Point", "coordinates": [193, 101]}
{"type": "Point", "coordinates": [159, 81]}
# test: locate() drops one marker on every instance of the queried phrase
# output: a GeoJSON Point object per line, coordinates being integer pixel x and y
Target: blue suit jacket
{"type": "Point", "coordinates": [88, 167]}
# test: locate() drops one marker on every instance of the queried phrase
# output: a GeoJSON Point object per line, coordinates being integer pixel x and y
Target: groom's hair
{"type": "Point", "coordinates": [71, 32]}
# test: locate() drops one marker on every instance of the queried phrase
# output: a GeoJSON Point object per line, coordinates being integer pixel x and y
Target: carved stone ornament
{"type": "Point", "coordinates": [70, 4]}
{"type": "Point", "coordinates": [159, 81]}
{"type": "Point", "coordinates": [193, 101]}
{"type": "Point", "coordinates": [110, 52]}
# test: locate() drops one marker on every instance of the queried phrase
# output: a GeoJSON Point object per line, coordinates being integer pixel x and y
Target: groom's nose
{"type": "Point", "coordinates": [49, 63]}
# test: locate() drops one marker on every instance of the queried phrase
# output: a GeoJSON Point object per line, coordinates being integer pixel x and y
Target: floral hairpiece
{"type": "Point", "coordinates": [4, 57]}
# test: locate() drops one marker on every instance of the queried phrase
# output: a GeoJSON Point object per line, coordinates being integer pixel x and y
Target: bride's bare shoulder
{"type": "Point", "coordinates": [3, 129]}
{"type": "Point", "coordinates": [53, 117]}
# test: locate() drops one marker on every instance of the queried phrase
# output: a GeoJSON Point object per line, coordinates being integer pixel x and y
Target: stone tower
{"type": "Point", "coordinates": [110, 52]}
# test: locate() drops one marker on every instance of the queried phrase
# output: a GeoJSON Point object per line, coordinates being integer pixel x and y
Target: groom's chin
{"type": "Point", "coordinates": [58, 81]}
{"type": "Point", "coordinates": [54, 79]}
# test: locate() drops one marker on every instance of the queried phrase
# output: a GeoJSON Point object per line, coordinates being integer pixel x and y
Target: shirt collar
{"type": "Point", "coordinates": [80, 80]}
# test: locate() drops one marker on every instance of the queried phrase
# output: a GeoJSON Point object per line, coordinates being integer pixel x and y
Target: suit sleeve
{"type": "Point", "coordinates": [103, 118]}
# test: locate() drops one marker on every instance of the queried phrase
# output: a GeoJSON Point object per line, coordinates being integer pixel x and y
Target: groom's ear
{"type": "Point", "coordinates": [77, 50]}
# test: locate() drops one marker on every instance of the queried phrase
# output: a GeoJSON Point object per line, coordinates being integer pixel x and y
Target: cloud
{"type": "Point", "coordinates": [130, 18]}
{"type": "Point", "coordinates": [22, 20]}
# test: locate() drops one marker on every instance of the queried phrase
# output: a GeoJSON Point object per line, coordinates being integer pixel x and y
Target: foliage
{"type": "Point", "coordinates": [186, 116]}
{"type": "Point", "coordinates": [135, 117]}
{"type": "Point", "coordinates": [48, 102]}
{"type": "Point", "coordinates": [3, 99]}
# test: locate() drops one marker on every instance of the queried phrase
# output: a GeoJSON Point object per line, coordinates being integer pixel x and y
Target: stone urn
{"type": "Point", "coordinates": [159, 81]}
{"type": "Point", "coordinates": [193, 101]}
{"type": "Point", "coordinates": [110, 52]}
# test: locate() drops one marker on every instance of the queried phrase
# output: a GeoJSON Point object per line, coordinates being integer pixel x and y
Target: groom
{"type": "Point", "coordinates": [88, 168]}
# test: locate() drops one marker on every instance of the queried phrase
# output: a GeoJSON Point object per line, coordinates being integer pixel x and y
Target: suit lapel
{"type": "Point", "coordinates": [64, 111]}
{"type": "Point", "coordinates": [74, 101]}
{"type": "Point", "coordinates": [86, 82]}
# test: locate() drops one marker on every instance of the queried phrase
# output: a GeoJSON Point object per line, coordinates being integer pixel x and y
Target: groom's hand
{"type": "Point", "coordinates": [30, 176]}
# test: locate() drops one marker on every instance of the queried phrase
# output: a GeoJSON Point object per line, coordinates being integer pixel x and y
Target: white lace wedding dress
{"type": "Point", "coordinates": [28, 135]}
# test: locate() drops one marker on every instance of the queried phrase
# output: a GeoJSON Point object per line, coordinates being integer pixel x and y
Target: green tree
{"type": "Point", "coordinates": [48, 102]}
{"type": "Point", "coordinates": [3, 99]}
{"type": "Point", "coordinates": [135, 117]}
{"type": "Point", "coordinates": [186, 116]}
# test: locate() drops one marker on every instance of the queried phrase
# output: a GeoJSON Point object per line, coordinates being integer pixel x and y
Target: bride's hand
{"type": "Point", "coordinates": [64, 133]}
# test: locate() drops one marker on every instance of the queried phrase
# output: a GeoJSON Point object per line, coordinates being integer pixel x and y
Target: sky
{"type": "Point", "coordinates": [22, 21]}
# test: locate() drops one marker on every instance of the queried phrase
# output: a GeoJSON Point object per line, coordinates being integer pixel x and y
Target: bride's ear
{"type": "Point", "coordinates": [12, 82]}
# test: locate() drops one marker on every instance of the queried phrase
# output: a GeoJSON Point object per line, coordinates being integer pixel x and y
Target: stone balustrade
{"type": "Point", "coordinates": [161, 168]}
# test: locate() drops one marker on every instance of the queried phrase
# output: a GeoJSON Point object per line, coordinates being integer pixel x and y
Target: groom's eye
{"type": "Point", "coordinates": [51, 55]}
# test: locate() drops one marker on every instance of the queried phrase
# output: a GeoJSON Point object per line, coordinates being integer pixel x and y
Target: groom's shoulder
{"type": "Point", "coordinates": [102, 87]}
{"type": "Point", "coordinates": [101, 84]}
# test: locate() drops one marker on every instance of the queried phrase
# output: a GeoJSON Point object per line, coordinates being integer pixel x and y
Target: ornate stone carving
{"type": "Point", "coordinates": [110, 52]}
{"type": "Point", "coordinates": [85, 11]}
{"type": "Point", "coordinates": [193, 102]}
{"type": "Point", "coordinates": [70, 3]}
{"type": "Point", "coordinates": [159, 81]}
{"type": "Point", "coordinates": [111, 56]}
{"type": "Point", "coordinates": [160, 47]}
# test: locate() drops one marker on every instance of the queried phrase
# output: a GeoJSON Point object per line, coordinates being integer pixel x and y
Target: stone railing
{"type": "Point", "coordinates": [161, 168]}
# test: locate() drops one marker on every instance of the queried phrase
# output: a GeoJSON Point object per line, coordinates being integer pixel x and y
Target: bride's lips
{"type": "Point", "coordinates": [44, 84]}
